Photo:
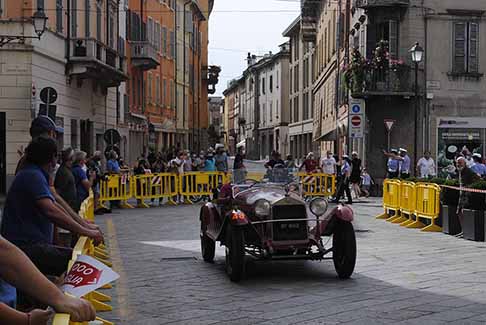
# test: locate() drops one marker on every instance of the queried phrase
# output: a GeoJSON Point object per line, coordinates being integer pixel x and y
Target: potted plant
{"type": "Point", "coordinates": [474, 212]}
{"type": "Point", "coordinates": [449, 199]}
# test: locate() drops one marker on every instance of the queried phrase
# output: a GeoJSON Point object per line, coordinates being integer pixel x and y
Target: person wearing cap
{"type": "Point", "coordinates": [344, 181]}
{"type": "Point", "coordinates": [392, 163]}
{"type": "Point", "coordinates": [328, 164]}
{"type": "Point", "coordinates": [404, 164]}
{"type": "Point", "coordinates": [478, 167]}
{"type": "Point", "coordinates": [426, 166]}
{"type": "Point", "coordinates": [44, 126]}
{"type": "Point", "coordinates": [31, 212]}
{"type": "Point", "coordinates": [310, 164]}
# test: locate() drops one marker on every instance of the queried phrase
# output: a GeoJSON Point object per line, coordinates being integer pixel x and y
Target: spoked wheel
{"type": "Point", "coordinates": [344, 249]}
{"type": "Point", "coordinates": [235, 253]}
{"type": "Point", "coordinates": [208, 246]}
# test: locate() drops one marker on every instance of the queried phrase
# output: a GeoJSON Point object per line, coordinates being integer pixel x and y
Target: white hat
{"type": "Point", "coordinates": [354, 153]}
{"type": "Point", "coordinates": [345, 156]}
{"type": "Point", "coordinates": [394, 150]}
{"type": "Point", "coordinates": [403, 150]}
{"type": "Point", "coordinates": [478, 155]}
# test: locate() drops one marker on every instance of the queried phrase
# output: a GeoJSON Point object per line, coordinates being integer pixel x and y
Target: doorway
{"type": "Point", "coordinates": [3, 154]}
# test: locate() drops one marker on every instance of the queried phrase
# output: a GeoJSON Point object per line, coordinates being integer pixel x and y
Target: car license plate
{"type": "Point", "coordinates": [289, 226]}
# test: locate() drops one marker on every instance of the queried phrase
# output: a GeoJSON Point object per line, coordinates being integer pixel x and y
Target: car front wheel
{"type": "Point", "coordinates": [208, 246]}
{"type": "Point", "coordinates": [344, 249]}
{"type": "Point", "coordinates": [235, 253]}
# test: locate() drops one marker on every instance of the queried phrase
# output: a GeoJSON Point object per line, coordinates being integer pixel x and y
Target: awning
{"type": "Point", "coordinates": [330, 136]}
{"type": "Point", "coordinates": [241, 143]}
{"type": "Point", "coordinates": [140, 116]}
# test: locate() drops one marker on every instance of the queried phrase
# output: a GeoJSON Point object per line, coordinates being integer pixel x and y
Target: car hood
{"type": "Point", "coordinates": [271, 193]}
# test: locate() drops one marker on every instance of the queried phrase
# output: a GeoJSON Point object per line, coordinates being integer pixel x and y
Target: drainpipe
{"type": "Point", "coordinates": [426, 123]}
{"type": "Point", "coordinates": [199, 83]}
{"type": "Point", "coordinates": [68, 35]}
{"type": "Point", "coordinates": [142, 38]}
{"type": "Point", "coordinates": [176, 77]}
{"type": "Point", "coordinates": [184, 68]}
{"type": "Point", "coordinates": [336, 95]}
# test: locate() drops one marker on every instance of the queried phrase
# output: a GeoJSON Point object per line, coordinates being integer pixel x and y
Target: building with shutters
{"type": "Point", "coordinates": [80, 55]}
{"type": "Point", "coordinates": [301, 98]}
{"type": "Point", "coordinates": [451, 101]}
{"type": "Point", "coordinates": [151, 88]}
{"type": "Point", "coordinates": [192, 73]}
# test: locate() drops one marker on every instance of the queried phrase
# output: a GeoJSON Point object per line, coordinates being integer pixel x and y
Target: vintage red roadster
{"type": "Point", "coordinates": [271, 221]}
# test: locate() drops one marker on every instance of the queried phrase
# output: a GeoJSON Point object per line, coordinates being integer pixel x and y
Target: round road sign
{"type": "Point", "coordinates": [356, 109]}
{"type": "Point", "coordinates": [48, 95]}
{"type": "Point", "coordinates": [356, 121]}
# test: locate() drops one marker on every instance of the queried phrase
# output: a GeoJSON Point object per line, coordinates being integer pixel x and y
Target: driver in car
{"type": "Point", "coordinates": [224, 198]}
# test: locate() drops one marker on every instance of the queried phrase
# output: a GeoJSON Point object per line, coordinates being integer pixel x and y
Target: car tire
{"type": "Point", "coordinates": [344, 249]}
{"type": "Point", "coordinates": [208, 247]}
{"type": "Point", "coordinates": [235, 253]}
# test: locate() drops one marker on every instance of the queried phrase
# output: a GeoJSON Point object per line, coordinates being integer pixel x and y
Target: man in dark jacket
{"type": "Point", "coordinates": [466, 178]}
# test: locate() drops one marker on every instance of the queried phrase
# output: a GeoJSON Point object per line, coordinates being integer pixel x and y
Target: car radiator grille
{"type": "Point", "coordinates": [289, 230]}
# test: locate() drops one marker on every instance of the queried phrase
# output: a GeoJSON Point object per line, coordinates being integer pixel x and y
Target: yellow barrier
{"type": "Point", "coordinates": [154, 186]}
{"type": "Point", "coordinates": [407, 203]}
{"type": "Point", "coordinates": [391, 199]}
{"type": "Point", "coordinates": [427, 207]}
{"type": "Point", "coordinates": [317, 184]}
{"type": "Point", "coordinates": [201, 183]}
{"type": "Point", "coordinates": [116, 188]}
{"type": "Point", "coordinates": [84, 246]}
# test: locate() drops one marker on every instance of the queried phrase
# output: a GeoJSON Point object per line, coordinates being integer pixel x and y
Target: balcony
{"type": "Point", "coordinates": [143, 55]}
{"type": "Point", "coordinates": [91, 59]}
{"type": "Point", "coordinates": [308, 21]}
{"type": "Point", "coordinates": [382, 82]}
{"type": "Point", "coordinates": [367, 4]}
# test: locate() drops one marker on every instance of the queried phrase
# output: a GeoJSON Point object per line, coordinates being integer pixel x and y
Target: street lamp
{"type": "Point", "coordinates": [417, 53]}
{"type": "Point", "coordinates": [39, 22]}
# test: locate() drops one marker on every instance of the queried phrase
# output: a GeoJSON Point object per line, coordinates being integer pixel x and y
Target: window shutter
{"type": "Point", "coordinates": [393, 39]}
{"type": "Point", "coordinates": [459, 47]}
{"type": "Point", "coordinates": [473, 47]}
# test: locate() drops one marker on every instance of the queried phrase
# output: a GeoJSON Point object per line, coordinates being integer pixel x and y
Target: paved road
{"type": "Point", "coordinates": [402, 276]}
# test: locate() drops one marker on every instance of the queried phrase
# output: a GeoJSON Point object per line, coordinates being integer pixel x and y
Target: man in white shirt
{"type": "Point", "coordinates": [328, 164]}
{"type": "Point", "coordinates": [426, 166]}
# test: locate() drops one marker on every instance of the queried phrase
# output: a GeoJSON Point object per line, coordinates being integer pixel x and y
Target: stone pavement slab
{"type": "Point", "coordinates": [402, 276]}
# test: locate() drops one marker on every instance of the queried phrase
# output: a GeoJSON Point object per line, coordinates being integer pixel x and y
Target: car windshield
{"type": "Point", "coordinates": [277, 177]}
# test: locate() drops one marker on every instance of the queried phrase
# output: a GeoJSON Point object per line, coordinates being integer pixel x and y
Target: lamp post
{"type": "Point", "coordinates": [417, 53]}
{"type": "Point", "coordinates": [38, 20]}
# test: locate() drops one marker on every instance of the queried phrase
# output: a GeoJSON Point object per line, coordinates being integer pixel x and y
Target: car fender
{"type": "Point", "coordinates": [235, 218]}
{"type": "Point", "coordinates": [327, 226]}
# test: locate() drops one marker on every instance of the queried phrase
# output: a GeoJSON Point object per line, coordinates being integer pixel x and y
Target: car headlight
{"type": "Point", "coordinates": [318, 206]}
{"type": "Point", "coordinates": [262, 208]}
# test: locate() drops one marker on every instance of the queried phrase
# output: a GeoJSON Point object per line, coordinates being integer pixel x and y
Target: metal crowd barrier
{"type": "Point", "coordinates": [84, 246]}
{"type": "Point", "coordinates": [116, 188]}
{"type": "Point", "coordinates": [427, 207]}
{"type": "Point", "coordinates": [154, 186]}
{"type": "Point", "coordinates": [201, 183]}
{"type": "Point", "coordinates": [406, 203]}
{"type": "Point", "coordinates": [391, 199]}
{"type": "Point", "coordinates": [317, 184]}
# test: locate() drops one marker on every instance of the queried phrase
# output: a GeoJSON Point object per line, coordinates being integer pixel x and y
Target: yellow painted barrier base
{"type": "Point", "coordinates": [101, 296]}
{"type": "Point", "coordinates": [383, 216]}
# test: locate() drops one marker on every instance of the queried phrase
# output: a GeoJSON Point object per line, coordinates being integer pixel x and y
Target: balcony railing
{"type": "Point", "coordinates": [388, 81]}
{"type": "Point", "coordinates": [92, 59]}
{"type": "Point", "coordinates": [144, 55]}
{"type": "Point", "coordinates": [365, 4]}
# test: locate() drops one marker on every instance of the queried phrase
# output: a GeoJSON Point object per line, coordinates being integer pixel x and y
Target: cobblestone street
{"type": "Point", "coordinates": [402, 276]}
